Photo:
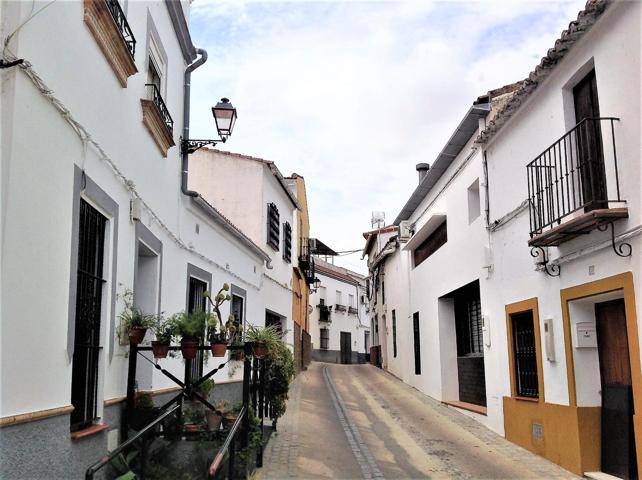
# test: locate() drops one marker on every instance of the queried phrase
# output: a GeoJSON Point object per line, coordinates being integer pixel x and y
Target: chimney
{"type": "Point", "coordinates": [422, 168]}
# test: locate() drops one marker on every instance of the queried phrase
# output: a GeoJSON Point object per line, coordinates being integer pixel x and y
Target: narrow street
{"type": "Point", "coordinates": [356, 421]}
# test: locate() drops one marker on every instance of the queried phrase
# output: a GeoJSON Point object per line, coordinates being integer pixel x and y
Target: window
{"type": "Point", "coordinates": [236, 309]}
{"type": "Point", "coordinates": [473, 202]}
{"type": "Point", "coordinates": [273, 226]}
{"type": "Point", "coordinates": [287, 242]}
{"type": "Point", "coordinates": [339, 299]}
{"type": "Point", "coordinates": [322, 295]}
{"type": "Point", "coordinates": [90, 281]}
{"type": "Point", "coordinates": [394, 334]}
{"type": "Point", "coordinates": [431, 244]}
{"type": "Point", "coordinates": [350, 300]}
{"type": "Point", "coordinates": [324, 337]}
{"type": "Point", "coordinates": [196, 303]}
{"type": "Point", "coordinates": [469, 326]}
{"type": "Point", "coordinates": [383, 292]}
{"type": "Point", "coordinates": [153, 75]}
{"type": "Point", "coordinates": [525, 355]}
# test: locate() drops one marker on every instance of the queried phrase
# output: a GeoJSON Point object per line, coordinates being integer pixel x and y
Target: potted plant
{"type": "Point", "coordinates": [191, 328]}
{"type": "Point", "coordinates": [218, 339]}
{"type": "Point", "coordinates": [213, 418]}
{"type": "Point", "coordinates": [264, 339]}
{"type": "Point", "coordinates": [144, 411]}
{"type": "Point", "coordinates": [236, 335]}
{"type": "Point", "coordinates": [133, 320]}
{"type": "Point", "coordinates": [230, 413]}
{"type": "Point", "coordinates": [164, 330]}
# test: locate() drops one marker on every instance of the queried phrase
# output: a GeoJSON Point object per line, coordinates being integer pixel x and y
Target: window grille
{"type": "Point", "coordinates": [287, 242]}
{"type": "Point", "coordinates": [469, 326]}
{"type": "Point", "coordinates": [91, 252]}
{"type": "Point", "coordinates": [273, 226]}
{"type": "Point", "coordinates": [324, 337]}
{"type": "Point", "coordinates": [525, 353]}
{"type": "Point", "coordinates": [196, 304]}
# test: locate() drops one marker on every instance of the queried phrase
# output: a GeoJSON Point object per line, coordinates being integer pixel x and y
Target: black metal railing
{"type": "Point", "coordinates": [571, 175]}
{"type": "Point", "coordinates": [306, 260]}
{"type": "Point", "coordinates": [352, 310]}
{"type": "Point", "coordinates": [339, 308]}
{"type": "Point", "coordinates": [324, 313]}
{"type": "Point", "coordinates": [155, 96]}
{"type": "Point", "coordinates": [123, 26]}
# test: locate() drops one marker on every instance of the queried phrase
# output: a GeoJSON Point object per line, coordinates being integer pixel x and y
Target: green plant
{"type": "Point", "coordinates": [215, 319]}
{"type": "Point", "coordinates": [132, 316]}
{"type": "Point", "coordinates": [279, 374]}
{"type": "Point", "coordinates": [269, 335]}
{"type": "Point", "coordinates": [206, 387]}
{"type": "Point", "coordinates": [190, 324]}
{"type": "Point", "coordinates": [164, 329]}
{"type": "Point", "coordinates": [144, 400]}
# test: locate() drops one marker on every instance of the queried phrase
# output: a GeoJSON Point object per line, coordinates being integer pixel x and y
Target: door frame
{"type": "Point", "coordinates": [624, 282]}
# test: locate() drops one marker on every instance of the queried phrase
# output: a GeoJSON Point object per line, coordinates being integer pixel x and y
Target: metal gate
{"type": "Point", "coordinates": [91, 251]}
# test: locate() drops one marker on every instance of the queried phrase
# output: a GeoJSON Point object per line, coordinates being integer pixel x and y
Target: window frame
{"type": "Point", "coordinates": [324, 338]}
{"type": "Point", "coordinates": [273, 226]}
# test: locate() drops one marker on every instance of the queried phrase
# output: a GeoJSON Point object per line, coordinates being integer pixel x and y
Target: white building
{"type": "Point", "coordinates": [253, 194]}
{"type": "Point", "coordinates": [518, 306]}
{"type": "Point", "coordinates": [339, 323]}
{"type": "Point", "coordinates": [92, 203]}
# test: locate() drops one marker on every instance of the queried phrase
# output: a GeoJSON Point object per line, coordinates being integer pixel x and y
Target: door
{"type": "Point", "coordinates": [90, 281]}
{"type": "Point", "coordinates": [618, 440]}
{"type": "Point", "coordinates": [415, 329]}
{"type": "Point", "coordinates": [197, 303]}
{"type": "Point", "coordinates": [589, 143]}
{"type": "Point", "coordinates": [346, 348]}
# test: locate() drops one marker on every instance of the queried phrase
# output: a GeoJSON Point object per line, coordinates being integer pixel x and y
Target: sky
{"type": "Point", "coordinates": [353, 94]}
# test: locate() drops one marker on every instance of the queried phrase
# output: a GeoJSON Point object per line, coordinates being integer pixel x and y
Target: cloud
{"type": "Point", "coordinates": [352, 95]}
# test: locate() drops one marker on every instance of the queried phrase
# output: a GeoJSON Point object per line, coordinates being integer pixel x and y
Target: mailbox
{"type": "Point", "coordinates": [585, 335]}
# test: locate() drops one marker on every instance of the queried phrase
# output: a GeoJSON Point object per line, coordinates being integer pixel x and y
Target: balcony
{"type": "Point", "coordinates": [573, 186]}
{"type": "Point", "coordinates": [157, 119]}
{"type": "Point", "coordinates": [324, 313]}
{"type": "Point", "coordinates": [306, 260]}
{"type": "Point", "coordinates": [352, 311]}
{"type": "Point", "coordinates": [340, 308]}
{"type": "Point", "coordinates": [107, 23]}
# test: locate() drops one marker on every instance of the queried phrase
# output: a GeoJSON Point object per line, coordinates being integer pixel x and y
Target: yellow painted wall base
{"type": "Point", "coordinates": [570, 435]}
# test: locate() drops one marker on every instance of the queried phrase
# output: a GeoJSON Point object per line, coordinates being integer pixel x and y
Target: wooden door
{"type": "Point", "coordinates": [618, 440]}
{"type": "Point", "coordinates": [417, 338]}
{"type": "Point", "coordinates": [590, 158]}
{"type": "Point", "coordinates": [346, 349]}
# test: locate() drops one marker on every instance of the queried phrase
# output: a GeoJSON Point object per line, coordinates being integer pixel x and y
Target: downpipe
{"type": "Point", "coordinates": [186, 110]}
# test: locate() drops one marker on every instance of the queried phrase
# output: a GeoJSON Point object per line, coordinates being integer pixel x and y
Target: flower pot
{"type": "Point", "coordinates": [189, 348]}
{"type": "Point", "coordinates": [260, 349]}
{"type": "Point", "coordinates": [213, 421]}
{"type": "Point", "coordinates": [192, 427]}
{"type": "Point", "coordinates": [136, 334]}
{"type": "Point", "coordinates": [229, 419]}
{"type": "Point", "coordinates": [237, 354]}
{"type": "Point", "coordinates": [218, 349]}
{"type": "Point", "coordinates": [160, 349]}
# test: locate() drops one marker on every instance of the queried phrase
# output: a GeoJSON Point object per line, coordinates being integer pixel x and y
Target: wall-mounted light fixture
{"type": "Point", "coordinates": [225, 117]}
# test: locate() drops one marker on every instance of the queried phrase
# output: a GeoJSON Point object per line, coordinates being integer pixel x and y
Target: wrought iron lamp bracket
{"type": "Point", "coordinates": [190, 146]}
{"type": "Point", "coordinates": [551, 269]}
{"type": "Point", "coordinates": [623, 249]}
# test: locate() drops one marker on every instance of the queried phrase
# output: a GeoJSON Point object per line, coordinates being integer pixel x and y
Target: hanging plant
{"type": "Point", "coordinates": [133, 321]}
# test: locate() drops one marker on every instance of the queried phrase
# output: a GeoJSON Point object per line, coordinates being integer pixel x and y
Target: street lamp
{"type": "Point", "coordinates": [225, 117]}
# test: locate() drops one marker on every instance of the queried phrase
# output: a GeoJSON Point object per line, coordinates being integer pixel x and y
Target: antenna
{"type": "Point", "coordinates": [378, 219]}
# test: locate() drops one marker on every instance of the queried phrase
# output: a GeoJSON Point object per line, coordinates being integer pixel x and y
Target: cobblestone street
{"type": "Point", "coordinates": [356, 421]}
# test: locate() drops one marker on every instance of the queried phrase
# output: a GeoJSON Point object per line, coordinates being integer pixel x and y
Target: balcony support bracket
{"type": "Point", "coordinates": [551, 269]}
{"type": "Point", "coordinates": [190, 146]}
{"type": "Point", "coordinates": [623, 249]}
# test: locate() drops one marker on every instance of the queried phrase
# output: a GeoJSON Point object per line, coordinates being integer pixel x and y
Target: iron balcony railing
{"type": "Point", "coordinates": [155, 96]}
{"type": "Point", "coordinates": [324, 313]}
{"type": "Point", "coordinates": [352, 310]}
{"type": "Point", "coordinates": [123, 26]}
{"type": "Point", "coordinates": [575, 174]}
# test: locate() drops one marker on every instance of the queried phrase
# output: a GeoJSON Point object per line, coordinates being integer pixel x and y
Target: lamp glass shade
{"type": "Point", "coordinates": [225, 117]}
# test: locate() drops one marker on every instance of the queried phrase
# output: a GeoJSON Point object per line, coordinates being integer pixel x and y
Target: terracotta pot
{"type": "Point", "coordinates": [260, 349]}
{"type": "Point", "coordinates": [189, 348]}
{"type": "Point", "coordinates": [136, 334]}
{"type": "Point", "coordinates": [192, 427]}
{"type": "Point", "coordinates": [229, 419]}
{"type": "Point", "coordinates": [160, 349]}
{"type": "Point", "coordinates": [213, 421]}
{"type": "Point", "coordinates": [218, 349]}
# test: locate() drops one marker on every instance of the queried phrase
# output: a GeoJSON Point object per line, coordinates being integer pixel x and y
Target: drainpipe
{"type": "Point", "coordinates": [186, 98]}
{"type": "Point", "coordinates": [486, 200]}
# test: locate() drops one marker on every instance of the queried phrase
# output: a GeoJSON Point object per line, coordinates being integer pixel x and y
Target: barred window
{"type": "Point", "coordinates": [525, 354]}
{"type": "Point", "coordinates": [325, 336]}
{"type": "Point", "coordinates": [273, 226]}
{"type": "Point", "coordinates": [287, 242]}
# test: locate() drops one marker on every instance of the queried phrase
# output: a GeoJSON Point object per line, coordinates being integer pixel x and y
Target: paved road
{"type": "Point", "coordinates": [356, 421]}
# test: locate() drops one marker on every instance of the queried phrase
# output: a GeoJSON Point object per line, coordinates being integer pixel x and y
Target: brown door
{"type": "Point", "coordinates": [588, 135]}
{"type": "Point", "coordinates": [618, 440]}
{"type": "Point", "coordinates": [346, 348]}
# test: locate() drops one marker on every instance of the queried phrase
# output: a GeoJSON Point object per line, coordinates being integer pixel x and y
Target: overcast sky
{"type": "Point", "coordinates": [352, 95]}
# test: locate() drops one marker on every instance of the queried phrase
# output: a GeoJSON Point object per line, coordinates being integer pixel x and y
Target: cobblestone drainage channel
{"type": "Point", "coordinates": [361, 452]}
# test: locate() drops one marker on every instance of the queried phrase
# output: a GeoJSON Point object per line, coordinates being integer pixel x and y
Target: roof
{"type": "Point", "coordinates": [268, 163]}
{"type": "Point", "coordinates": [226, 223]}
{"type": "Point", "coordinates": [320, 248]}
{"type": "Point", "coordinates": [338, 273]}
{"type": "Point", "coordinates": [576, 29]}
{"type": "Point", "coordinates": [464, 131]}
{"type": "Point", "coordinates": [372, 234]}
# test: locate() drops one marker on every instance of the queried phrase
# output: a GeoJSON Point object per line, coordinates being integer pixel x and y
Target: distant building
{"type": "Point", "coordinates": [339, 322]}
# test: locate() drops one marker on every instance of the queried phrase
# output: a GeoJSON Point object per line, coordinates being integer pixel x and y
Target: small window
{"type": "Point", "coordinates": [431, 244]}
{"type": "Point", "coordinates": [287, 242]}
{"type": "Point", "coordinates": [339, 299]}
{"type": "Point", "coordinates": [351, 301]}
{"type": "Point", "coordinates": [273, 226]}
{"type": "Point", "coordinates": [324, 337]}
{"type": "Point", "coordinates": [417, 338]}
{"type": "Point", "coordinates": [525, 355]}
{"type": "Point", "coordinates": [394, 334]}
{"type": "Point", "coordinates": [473, 202]}
{"type": "Point", "coordinates": [383, 292]}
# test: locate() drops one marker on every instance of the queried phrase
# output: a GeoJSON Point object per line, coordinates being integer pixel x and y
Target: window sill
{"type": "Point", "coordinates": [86, 432]}
{"type": "Point", "coordinates": [103, 28]}
{"type": "Point", "coordinates": [471, 407]}
{"type": "Point", "coordinates": [156, 126]}
{"type": "Point", "coordinates": [527, 399]}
